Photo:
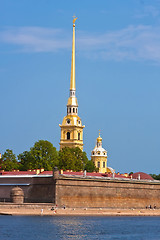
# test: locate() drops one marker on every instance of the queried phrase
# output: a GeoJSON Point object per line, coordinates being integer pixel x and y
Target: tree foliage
{"type": "Point", "coordinates": [90, 167]}
{"type": "Point", "coordinates": [26, 161]}
{"type": "Point", "coordinates": [44, 155]}
{"type": "Point", "coordinates": [74, 159]}
{"type": "Point", "coordinates": [67, 159]}
{"type": "Point", "coordinates": [156, 177]}
{"type": "Point", "coordinates": [9, 161]}
{"type": "Point", "coordinates": [41, 155]}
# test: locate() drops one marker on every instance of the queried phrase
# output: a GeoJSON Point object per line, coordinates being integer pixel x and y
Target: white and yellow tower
{"type": "Point", "coordinates": [71, 128]}
{"type": "Point", "coordinates": [99, 156]}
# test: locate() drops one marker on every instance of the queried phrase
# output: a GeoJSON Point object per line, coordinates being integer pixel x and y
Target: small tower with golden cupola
{"type": "Point", "coordinates": [99, 156]}
{"type": "Point", "coordinates": [72, 128]}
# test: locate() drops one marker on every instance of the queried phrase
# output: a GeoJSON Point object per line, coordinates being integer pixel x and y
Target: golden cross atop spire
{"type": "Point", "coordinates": [99, 133]}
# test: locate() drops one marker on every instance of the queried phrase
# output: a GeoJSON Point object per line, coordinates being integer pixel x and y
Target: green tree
{"type": "Point", "coordinates": [41, 155]}
{"type": "Point", "coordinates": [9, 161]}
{"type": "Point", "coordinates": [90, 166]}
{"type": "Point", "coordinates": [72, 158]}
{"type": "Point", "coordinates": [44, 155]}
{"type": "Point", "coordinates": [81, 158]}
{"type": "Point", "coordinates": [67, 159]}
{"type": "Point", "coordinates": [156, 177]}
{"type": "Point", "coordinates": [26, 161]}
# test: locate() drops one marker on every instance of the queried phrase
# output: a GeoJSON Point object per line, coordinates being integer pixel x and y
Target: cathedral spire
{"type": "Point", "coordinates": [73, 80]}
{"type": "Point", "coordinates": [72, 128]}
{"type": "Point", "coordinates": [72, 105]}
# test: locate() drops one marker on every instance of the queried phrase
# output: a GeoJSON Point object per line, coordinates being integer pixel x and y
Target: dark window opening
{"type": "Point", "coordinates": [70, 110]}
{"type": "Point", "coordinates": [98, 164]}
{"type": "Point", "coordinates": [78, 136]}
{"type": "Point", "coordinates": [73, 109]}
{"type": "Point", "coordinates": [104, 164]}
{"type": "Point", "coordinates": [76, 110]}
{"type": "Point", "coordinates": [68, 135]}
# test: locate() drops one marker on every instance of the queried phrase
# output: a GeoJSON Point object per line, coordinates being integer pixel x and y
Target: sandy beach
{"type": "Point", "coordinates": [46, 211]}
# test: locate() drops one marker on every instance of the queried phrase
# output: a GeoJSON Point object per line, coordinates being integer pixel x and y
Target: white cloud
{"type": "Point", "coordinates": [131, 43]}
{"type": "Point", "coordinates": [35, 39]}
{"type": "Point", "coordinates": [148, 11]}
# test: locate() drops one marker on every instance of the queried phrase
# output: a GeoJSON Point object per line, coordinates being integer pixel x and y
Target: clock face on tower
{"type": "Point", "coordinates": [68, 121]}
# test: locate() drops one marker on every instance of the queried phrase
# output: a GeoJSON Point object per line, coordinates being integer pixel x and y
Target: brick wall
{"type": "Point", "coordinates": [83, 192]}
{"type": "Point", "coordinates": [36, 189]}
{"type": "Point", "coordinates": [76, 192]}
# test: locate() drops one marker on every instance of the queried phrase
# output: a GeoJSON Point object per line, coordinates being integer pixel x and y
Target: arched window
{"type": "Point", "coordinates": [76, 110]}
{"type": "Point", "coordinates": [104, 164]}
{"type": "Point", "coordinates": [98, 165]}
{"type": "Point", "coordinates": [70, 110]}
{"type": "Point", "coordinates": [68, 135]}
{"type": "Point", "coordinates": [73, 109]}
{"type": "Point", "coordinates": [79, 136]}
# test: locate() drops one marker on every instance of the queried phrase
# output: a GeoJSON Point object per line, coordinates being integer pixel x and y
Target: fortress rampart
{"type": "Point", "coordinates": [106, 193]}
{"type": "Point", "coordinates": [79, 191]}
{"type": "Point", "coordinates": [37, 189]}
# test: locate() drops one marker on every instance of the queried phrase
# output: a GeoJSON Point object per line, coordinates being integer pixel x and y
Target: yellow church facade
{"type": "Point", "coordinates": [72, 128]}
{"type": "Point", "coordinates": [99, 156]}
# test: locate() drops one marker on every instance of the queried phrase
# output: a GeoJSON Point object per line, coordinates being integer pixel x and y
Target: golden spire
{"type": "Point", "coordinates": [73, 80]}
{"type": "Point", "coordinates": [99, 139]}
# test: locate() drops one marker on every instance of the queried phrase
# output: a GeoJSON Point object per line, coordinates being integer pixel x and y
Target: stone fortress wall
{"type": "Point", "coordinates": [77, 192]}
{"type": "Point", "coordinates": [105, 193]}
{"type": "Point", "coordinates": [36, 189]}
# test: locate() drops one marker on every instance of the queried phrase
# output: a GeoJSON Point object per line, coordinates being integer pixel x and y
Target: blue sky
{"type": "Point", "coordinates": [117, 76]}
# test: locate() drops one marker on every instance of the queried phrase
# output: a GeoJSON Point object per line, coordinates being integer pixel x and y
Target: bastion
{"type": "Point", "coordinates": [75, 190]}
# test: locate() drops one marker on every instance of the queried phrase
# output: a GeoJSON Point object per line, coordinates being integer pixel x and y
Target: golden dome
{"type": "Point", "coordinates": [99, 139]}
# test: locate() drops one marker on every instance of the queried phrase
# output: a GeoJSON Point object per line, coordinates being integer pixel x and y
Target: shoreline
{"type": "Point", "coordinates": [24, 211]}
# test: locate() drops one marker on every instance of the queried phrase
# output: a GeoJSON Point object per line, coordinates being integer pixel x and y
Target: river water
{"type": "Point", "coordinates": [73, 227]}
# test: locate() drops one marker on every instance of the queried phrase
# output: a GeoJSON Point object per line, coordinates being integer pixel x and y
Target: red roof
{"type": "Point", "coordinates": [18, 173]}
{"type": "Point", "coordinates": [46, 173]}
{"type": "Point", "coordinates": [82, 173]}
{"type": "Point", "coordinates": [94, 174]}
{"type": "Point", "coordinates": [142, 175]}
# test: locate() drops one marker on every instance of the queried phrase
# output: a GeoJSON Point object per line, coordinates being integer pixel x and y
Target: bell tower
{"type": "Point", "coordinates": [99, 156]}
{"type": "Point", "coordinates": [72, 128]}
